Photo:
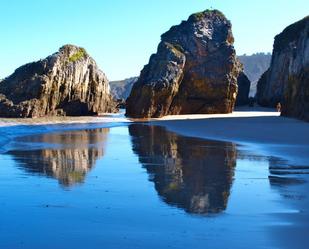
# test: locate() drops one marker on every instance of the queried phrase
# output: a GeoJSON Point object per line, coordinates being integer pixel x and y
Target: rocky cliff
{"type": "Point", "coordinates": [287, 80]}
{"type": "Point", "coordinates": [195, 70]}
{"type": "Point", "coordinates": [65, 83]}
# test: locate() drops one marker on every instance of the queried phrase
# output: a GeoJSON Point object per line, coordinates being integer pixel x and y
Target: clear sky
{"type": "Point", "coordinates": [121, 34]}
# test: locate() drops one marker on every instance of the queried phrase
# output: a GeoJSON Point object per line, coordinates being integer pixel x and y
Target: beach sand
{"type": "Point", "coordinates": [261, 129]}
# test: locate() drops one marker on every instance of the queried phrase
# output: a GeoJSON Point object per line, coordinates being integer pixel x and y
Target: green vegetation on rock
{"type": "Point", "coordinates": [78, 55]}
{"type": "Point", "coordinates": [200, 15]}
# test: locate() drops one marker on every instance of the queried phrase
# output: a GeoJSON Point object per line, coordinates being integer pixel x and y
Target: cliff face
{"type": "Point", "coordinates": [65, 83]}
{"type": "Point", "coordinates": [195, 70]}
{"type": "Point", "coordinates": [287, 80]}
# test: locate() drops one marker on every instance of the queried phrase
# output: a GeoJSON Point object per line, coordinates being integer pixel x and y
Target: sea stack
{"type": "Point", "coordinates": [195, 70]}
{"type": "Point", "coordinates": [287, 79]}
{"type": "Point", "coordinates": [243, 90]}
{"type": "Point", "coordinates": [68, 82]}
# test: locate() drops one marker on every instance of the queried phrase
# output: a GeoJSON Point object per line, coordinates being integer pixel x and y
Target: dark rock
{"type": "Point", "coordinates": [121, 103]}
{"type": "Point", "coordinates": [287, 80]}
{"type": "Point", "coordinates": [65, 83]}
{"type": "Point", "coordinates": [195, 70]}
{"type": "Point", "coordinates": [251, 102]}
{"type": "Point", "coordinates": [243, 90]}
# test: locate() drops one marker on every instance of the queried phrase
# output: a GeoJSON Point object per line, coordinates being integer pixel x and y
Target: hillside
{"type": "Point", "coordinates": [254, 66]}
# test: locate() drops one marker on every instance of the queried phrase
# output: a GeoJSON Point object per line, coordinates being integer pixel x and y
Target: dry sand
{"type": "Point", "coordinates": [105, 118]}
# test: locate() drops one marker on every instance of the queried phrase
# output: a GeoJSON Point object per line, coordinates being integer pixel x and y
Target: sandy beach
{"type": "Point", "coordinates": [261, 129]}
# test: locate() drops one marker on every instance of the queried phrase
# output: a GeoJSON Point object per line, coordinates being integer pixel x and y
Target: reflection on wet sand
{"type": "Point", "coordinates": [282, 173]}
{"type": "Point", "coordinates": [193, 174]}
{"type": "Point", "coordinates": [292, 183]}
{"type": "Point", "coordinates": [66, 156]}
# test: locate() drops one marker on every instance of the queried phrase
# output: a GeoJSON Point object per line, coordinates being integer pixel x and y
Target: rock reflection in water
{"type": "Point", "coordinates": [193, 174]}
{"type": "Point", "coordinates": [66, 156]}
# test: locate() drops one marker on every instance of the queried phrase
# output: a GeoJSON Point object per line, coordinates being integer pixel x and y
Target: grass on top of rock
{"type": "Point", "coordinates": [200, 15]}
{"type": "Point", "coordinates": [78, 55]}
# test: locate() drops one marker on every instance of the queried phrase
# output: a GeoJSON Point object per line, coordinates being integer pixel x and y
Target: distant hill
{"type": "Point", "coordinates": [254, 66]}
{"type": "Point", "coordinates": [121, 89]}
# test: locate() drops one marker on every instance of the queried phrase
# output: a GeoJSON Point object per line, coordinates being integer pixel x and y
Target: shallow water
{"type": "Point", "coordinates": [140, 186]}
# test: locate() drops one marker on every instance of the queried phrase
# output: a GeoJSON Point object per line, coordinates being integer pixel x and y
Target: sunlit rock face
{"type": "Point", "coordinates": [193, 174]}
{"type": "Point", "coordinates": [68, 82]}
{"type": "Point", "coordinates": [195, 70]}
{"type": "Point", "coordinates": [66, 156]}
{"type": "Point", "coordinates": [287, 79]}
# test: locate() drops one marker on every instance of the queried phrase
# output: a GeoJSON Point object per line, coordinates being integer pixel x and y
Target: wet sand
{"type": "Point", "coordinates": [125, 185]}
{"type": "Point", "coordinates": [263, 130]}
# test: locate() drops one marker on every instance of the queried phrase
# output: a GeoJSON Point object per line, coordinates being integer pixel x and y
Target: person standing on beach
{"type": "Point", "coordinates": [279, 107]}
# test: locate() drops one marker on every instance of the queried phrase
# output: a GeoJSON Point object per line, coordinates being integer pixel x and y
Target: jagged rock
{"type": "Point", "coordinates": [243, 90]}
{"type": "Point", "coordinates": [195, 70]}
{"type": "Point", "coordinates": [287, 80]}
{"type": "Point", "coordinates": [65, 83]}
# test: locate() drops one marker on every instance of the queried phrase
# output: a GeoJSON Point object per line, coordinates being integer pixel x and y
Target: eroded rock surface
{"type": "Point", "coordinates": [65, 83]}
{"type": "Point", "coordinates": [195, 70]}
{"type": "Point", "coordinates": [287, 80]}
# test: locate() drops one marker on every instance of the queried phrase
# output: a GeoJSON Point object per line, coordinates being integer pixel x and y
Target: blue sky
{"type": "Point", "coordinates": [121, 34]}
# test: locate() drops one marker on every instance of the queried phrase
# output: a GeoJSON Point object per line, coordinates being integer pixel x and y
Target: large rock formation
{"type": "Point", "coordinates": [65, 83]}
{"type": "Point", "coordinates": [287, 80]}
{"type": "Point", "coordinates": [195, 70]}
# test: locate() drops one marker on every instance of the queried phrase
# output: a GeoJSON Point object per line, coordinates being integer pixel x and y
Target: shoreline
{"type": "Point", "coordinates": [259, 129]}
{"type": "Point", "coordinates": [266, 133]}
